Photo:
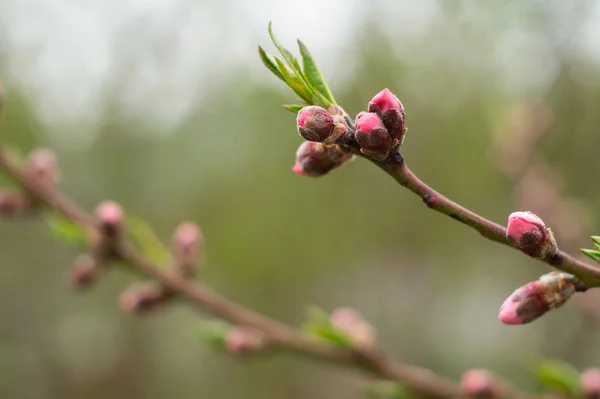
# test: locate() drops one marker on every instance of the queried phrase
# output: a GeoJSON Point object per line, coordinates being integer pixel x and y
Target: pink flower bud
{"type": "Point", "coordinates": [390, 110]}
{"type": "Point", "coordinates": [244, 340]}
{"type": "Point", "coordinates": [479, 383]}
{"type": "Point", "coordinates": [589, 380]}
{"type": "Point", "coordinates": [186, 246]}
{"type": "Point", "coordinates": [352, 324]}
{"type": "Point", "coordinates": [527, 232]}
{"type": "Point", "coordinates": [372, 137]}
{"type": "Point", "coordinates": [13, 203]}
{"type": "Point", "coordinates": [111, 217]}
{"type": "Point", "coordinates": [317, 159]}
{"type": "Point", "coordinates": [43, 165]}
{"type": "Point", "coordinates": [142, 297]}
{"type": "Point", "coordinates": [534, 299]}
{"type": "Point", "coordinates": [84, 271]}
{"type": "Point", "coordinates": [316, 124]}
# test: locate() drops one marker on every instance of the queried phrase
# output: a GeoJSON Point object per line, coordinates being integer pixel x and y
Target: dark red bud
{"type": "Point", "coordinates": [317, 159]}
{"type": "Point", "coordinates": [527, 232]}
{"type": "Point", "coordinates": [391, 111]}
{"type": "Point", "coordinates": [316, 124]}
{"type": "Point", "coordinates": [372, 137]}
{"type": "Point", "coordinates": [534, 299]}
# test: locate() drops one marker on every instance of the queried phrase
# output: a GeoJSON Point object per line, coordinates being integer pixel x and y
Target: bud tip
{"type": "Point", "coordinates": [109, 212]}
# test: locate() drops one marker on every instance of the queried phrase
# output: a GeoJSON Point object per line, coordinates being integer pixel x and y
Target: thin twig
{"type": "Point", "coordinates": [280, 335]}
{"type": "Point", "coordinates": [396, 167]}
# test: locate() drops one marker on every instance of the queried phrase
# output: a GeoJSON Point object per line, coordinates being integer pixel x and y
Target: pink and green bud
{"type": "Point", "coordinates": [43, 166]}
{"type": "Point", "coordinates": [186, 245]}
{"type": "Point", "coordinates": [479, 383]}
{"type": "Point", "coordinates": [244, 341]}
{"type": "Point", "coordinates": [111, 217]}
{"type": "Point", "coordinates": [589, 380]}
{"type": "Point", "coordinates": [527, 232]}
{"type": "Point", "coordinates": [354, 326]}
{"type": "Point", "coordinates": [372, 136]}
{"type": "Point", "coordinates": [84, 271]}
{"type": "Point", "coordinates": [143, 297]}
{"type": "Point", "coordinates": [534, 299]}
{"type": "Point", "coordinates": [317, 159]}
{"type": "Point", "coordinates": [317, 124]}
{"type": "Point", "coordinates": [391, 111]}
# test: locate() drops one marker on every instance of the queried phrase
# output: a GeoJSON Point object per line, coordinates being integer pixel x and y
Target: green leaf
{"type": "Point", "coordinates": [64, 230]}
{"type": "Point", "coordinates": [319, 327]}
{"type": "Point", "coordinates": [268, 62]}
{"type": "Point", "coordinates": [295, 108]}
{"type": "Point", "coordinates": [557, 376]}
{"type": "Point", "coordinates": [293, 82]}
{"type": "Point", "coordinates": [387, 390]}
{"type": "Point", "coordinates": [595, 255]}
{"type": "Point", "coordinates": [313, 73]}
{"type": "Point", "coordinates": [145, 240]}
{"type": "Point", "coordinates": [596, 239]}
{"type": "Point", "coordinates": [285, 53]}
{"type": "Point", "coordinates": [213, 332]}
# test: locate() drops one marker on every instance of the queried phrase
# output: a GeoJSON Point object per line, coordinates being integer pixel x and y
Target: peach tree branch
{"type": "Point", "coordinates": [278, 336]}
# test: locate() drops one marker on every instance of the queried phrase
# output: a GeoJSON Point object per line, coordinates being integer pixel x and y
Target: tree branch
{"type": "Point", "coordinates": [396, 167]}
{"type": "Point", "coordinates": [279, 335]}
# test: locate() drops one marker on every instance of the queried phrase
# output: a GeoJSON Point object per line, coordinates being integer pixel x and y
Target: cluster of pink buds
{"type": "Point", "coordinates": [479, 383]}
{"type": "Point", "coordinates": [527, 232]}
{"type": "Point", "coordinates": [376, 132]}
{"type": "Point", "coordinates": [316, 159]}
{"type": "Point", "coordinates": [383, 127]}
{"type": "Point", "coordinates": [186, 248]}
{"type": "Point", "coordinates": [354, 326]}
{"type": "Point", "coordinates": [536, 298]}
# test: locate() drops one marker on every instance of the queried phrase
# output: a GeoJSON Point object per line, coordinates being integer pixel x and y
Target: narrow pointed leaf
{"type": "Point", "coordinates": [268, 62]}
{"type": "Point", "coordinates": [557, 376]}
{"type": "Point", "coordinates": [213, 332]}
{"type": "Point", "coordinates": [313, 73]}
{"type": "Point", "coordinates": [595, 255]}
{"type": "Point", "coordinates": [298, 71]}
{"type": "Point", "coordinates": [145, 240]}
{"type": "Point", "coordinates": [597, 247]}
{"type": "Point", "coordinates": [295, 108]}
{"type": "Point", "coordinates": [66, 231]}
{"type": "Point", "coordinates": [285, 53]}
{"type": "Point", "coordinates": [293, 82]}
{"type": "Point", "coordinates": [596, 239]}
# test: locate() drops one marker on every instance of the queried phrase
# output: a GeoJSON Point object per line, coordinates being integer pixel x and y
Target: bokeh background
{"type": "Point", "coordinates": [164, 106]}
